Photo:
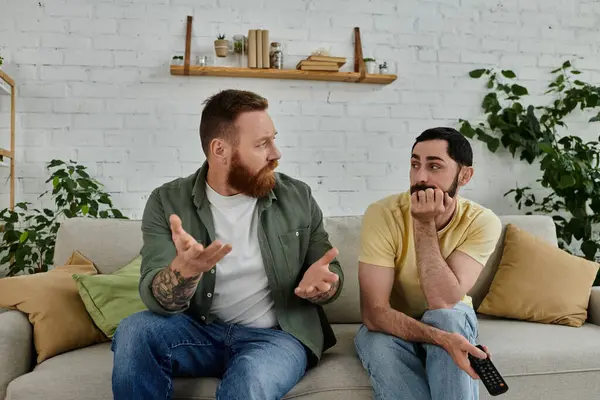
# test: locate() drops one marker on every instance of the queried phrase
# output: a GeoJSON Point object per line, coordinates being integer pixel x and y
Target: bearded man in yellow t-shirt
{"type": "Point", "coordinates": [421, 251]}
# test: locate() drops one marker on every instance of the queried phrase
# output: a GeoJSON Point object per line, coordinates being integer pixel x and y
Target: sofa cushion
{"type": "Point", "coordinates": [542, 226]}
{"type": "Point", "coordinates": [539, 282]}
{"type": "Point", "coordinates": [521, 348]}
{"type": "Point", "coordinates": [86, 373]}
{"type": "Point", "coordinates": [546, 354]}
{"type": "Point", "coordinates": [54, 308]}
{"type": "Point", "coordinates": [96, 239]}
{"type": "Point", "coordinates": [344, 233]}
{"type": "Point", "coordinates": [109, 298]}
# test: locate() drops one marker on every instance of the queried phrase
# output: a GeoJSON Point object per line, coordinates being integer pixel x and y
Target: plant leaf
{"type": "Point", "coordinates": [519, 90]}
{"type": "Point", "coordinates": [589, 249]}
{"type": "Point", "coordinates": [477, 73]}
{"type": "Point", "coordinates": [508, 74]}
{"type": "Point", "coordinates": [566, 181]}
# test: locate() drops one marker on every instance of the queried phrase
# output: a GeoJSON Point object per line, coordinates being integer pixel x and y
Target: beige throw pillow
{"type": "Point", "coordinates": [55, 309]}
{"type": "Point", "coordinates": [539, 282]}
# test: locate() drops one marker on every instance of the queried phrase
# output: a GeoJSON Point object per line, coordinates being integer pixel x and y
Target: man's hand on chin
{"type": "Point", "coordinates": [318, 283]}
{"type": "Point", "coordinates": [427, 204]}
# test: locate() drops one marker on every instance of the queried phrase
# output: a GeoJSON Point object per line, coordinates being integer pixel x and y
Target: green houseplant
{"type": "Point", "coordinates": [29, 234]}
{"type": "Point", "coordinates": [221, 46]}
{"type": "Point", "coordinates": [371, 65]}
{"type": "Point", "coordinates": [568, 165]}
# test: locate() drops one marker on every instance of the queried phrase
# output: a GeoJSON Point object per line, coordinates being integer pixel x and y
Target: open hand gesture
{"type": "Point", "coordinates": [193, 257]}
{"type": "Point", "coordinates": [319, 283]}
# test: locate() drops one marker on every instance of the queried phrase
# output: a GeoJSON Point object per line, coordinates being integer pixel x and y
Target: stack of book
{"type": "Point", "coordinates": [321, 63]}
{"type": "Point", "coordinates": [258, 48]}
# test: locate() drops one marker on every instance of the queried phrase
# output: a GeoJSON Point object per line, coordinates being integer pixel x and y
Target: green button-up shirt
{"type": "Point", "coordinates": [291, 238]}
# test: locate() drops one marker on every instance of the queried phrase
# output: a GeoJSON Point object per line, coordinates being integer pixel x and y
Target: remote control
{"type": "Point", "coordinates": [491, 378]}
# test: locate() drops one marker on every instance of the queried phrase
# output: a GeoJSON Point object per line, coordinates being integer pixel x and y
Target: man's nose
{"type": "Point", "coordinates": [275, 154]}
{"type": "Point", "coordinates": [421, 175]}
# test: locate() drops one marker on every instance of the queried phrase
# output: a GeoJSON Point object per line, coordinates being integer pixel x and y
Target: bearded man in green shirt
{"type": "Point", "coordinates": [236, 266]}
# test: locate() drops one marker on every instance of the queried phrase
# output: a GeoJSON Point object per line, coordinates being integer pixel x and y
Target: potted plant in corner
{"type": "Point", "coordinates": [1, 61]}
{"type": "Point", "coordinates": [371, 64]}
{"type": "Point", "coordinates": [221, 46]}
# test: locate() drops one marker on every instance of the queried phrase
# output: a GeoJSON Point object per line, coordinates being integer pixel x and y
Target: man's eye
{"type": "Point", "coordinates": [414, 165]}
{"type": "Point", "coordinates": [435, 167]}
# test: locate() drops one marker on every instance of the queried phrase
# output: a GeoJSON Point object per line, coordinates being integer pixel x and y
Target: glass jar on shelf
{"type": "Point", "coordinates": [383, 68]}
{"type": "Point", "coordinates": [276, 56]}
{"type": "Point", "coordinates": [240, 49]}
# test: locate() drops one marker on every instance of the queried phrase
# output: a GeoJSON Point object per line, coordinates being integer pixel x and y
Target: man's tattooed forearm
{"type": "Point", "coordinates": [322, 297]}
{"type": "Point", "coordinates": [172, 290]}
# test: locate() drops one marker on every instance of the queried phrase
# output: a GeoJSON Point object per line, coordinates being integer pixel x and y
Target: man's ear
{"type": "Point", "coordinates": [465, 175]}
{"type": "Point", "coordinates": [220, 150]}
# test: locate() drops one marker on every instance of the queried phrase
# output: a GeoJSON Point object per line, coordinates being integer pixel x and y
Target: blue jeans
{"type": "Point", "coordinates": [150, 349]}
{"type": "Point", "coordinates": [413, 371]}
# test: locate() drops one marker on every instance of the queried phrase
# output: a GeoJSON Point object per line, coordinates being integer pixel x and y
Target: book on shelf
{"type": "Point", "coordinates": [307, 65]}
{"type": "Point", "coordinates": [321, 63]}
{"type": "Point", "coordinates": [340, 61]}
{"type": "Point", "coordinates": [252, 48]}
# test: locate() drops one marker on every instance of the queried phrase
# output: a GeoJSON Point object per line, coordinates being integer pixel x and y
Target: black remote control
{"type": "Point", "coordinates": [491, 378]}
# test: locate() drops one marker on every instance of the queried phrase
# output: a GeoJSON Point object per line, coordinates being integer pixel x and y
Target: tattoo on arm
{"type": "Point", "coordinates": [322, 297]}
{"type": "Point", "coordinates": [172, 290]}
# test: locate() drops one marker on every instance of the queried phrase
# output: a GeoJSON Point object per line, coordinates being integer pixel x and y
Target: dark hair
{"type": "Point", "coordinates": [459, 148]}
{"type": "Point", "coordinates": [222, 109]}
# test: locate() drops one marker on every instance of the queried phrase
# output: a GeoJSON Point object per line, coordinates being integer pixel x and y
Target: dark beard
{"type": "Point", "coordinates": [244, 181]}
{"type": "Point", "coordinates": [451, 190]}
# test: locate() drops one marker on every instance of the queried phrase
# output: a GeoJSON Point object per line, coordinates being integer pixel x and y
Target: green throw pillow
{"type": "Point", "coordinates": [112, 297]}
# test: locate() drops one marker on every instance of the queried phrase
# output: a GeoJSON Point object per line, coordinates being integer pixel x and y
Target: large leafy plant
{"type": "Point", "coordinates": [569, 166]}
{"type": "Point", "coordinates": [29, 234]}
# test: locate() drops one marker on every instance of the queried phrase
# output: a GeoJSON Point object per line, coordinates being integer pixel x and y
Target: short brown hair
{"type": "Point", "coordinates": [222, 109]}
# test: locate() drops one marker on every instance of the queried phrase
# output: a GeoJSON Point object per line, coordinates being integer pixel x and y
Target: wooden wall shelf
{"type": "Point", "coordinates": [230, 72]}
{"type": "Point", "coordinates": [358, 76]}
{"type": "Point", "coordinates": [7, 86]}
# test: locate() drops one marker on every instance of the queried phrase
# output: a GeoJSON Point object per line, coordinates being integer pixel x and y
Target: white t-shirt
{"type": "Point", "coordinates": [242, 294]}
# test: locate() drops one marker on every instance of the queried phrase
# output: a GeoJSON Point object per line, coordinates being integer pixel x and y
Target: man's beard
{"type": "Point", "coordinates": [243, 180]}
{"type": "Point", "coordinates": [451, 190]}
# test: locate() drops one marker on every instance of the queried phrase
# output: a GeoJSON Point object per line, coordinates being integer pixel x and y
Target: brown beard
{"type": "Point", "coordinates": [244, 181]}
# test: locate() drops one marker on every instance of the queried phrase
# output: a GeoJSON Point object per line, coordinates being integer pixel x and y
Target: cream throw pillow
{"type": "Point", "coordinates": [539, 282]}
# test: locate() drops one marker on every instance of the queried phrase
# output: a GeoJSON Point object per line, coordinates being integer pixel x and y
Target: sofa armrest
{"type": "Point", "coordinates": [16, 347]}
{"type": "Point", "coordinates": [594, 306]}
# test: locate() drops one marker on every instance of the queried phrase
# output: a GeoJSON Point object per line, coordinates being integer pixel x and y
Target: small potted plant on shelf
{"type": "Point", "coordinates": [240, 44]}
{"type": "Point", "coordinates": [177, 60]}
{"type": "Point", "coordinates": [371, 64]}
{"type": "Point", "coordinates": [1, 61]}
{"type": "Point", "coordinates": [221, 46]}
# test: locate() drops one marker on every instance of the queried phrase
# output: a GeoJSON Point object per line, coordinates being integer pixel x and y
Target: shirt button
{"type": "Point", "coordinates": [297, 234]}
{"type": "Point", "coordinates": [203, 318]}
{"type": "Point", "coordinates": [212, 271]}
{"type": "Point", "coordinates": [209, 295]}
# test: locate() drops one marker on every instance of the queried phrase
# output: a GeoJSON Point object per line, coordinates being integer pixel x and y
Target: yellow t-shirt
{"type": "Point", "coordinates": [387, 240]}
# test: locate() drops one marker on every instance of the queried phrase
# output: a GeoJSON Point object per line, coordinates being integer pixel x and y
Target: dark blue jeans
{"type": "Point", "coordinates": [150, 349]}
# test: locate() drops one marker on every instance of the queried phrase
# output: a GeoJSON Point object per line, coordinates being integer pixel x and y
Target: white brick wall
{"type": "Point", "coordinates": [94, 86]}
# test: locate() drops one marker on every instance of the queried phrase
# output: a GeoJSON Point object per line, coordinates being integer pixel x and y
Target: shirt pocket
{"type": "Point", "coordinates": [294, 245]}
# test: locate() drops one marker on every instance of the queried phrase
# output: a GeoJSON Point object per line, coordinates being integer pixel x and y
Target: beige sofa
{"type": "Point", "coordinates": [538, 361]}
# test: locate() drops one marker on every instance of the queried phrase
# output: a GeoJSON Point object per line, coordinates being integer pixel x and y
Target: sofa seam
{"type": "Point", "coordinates": [575, 371]}
{"type": "Point", "coordinates": [345, 388]}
